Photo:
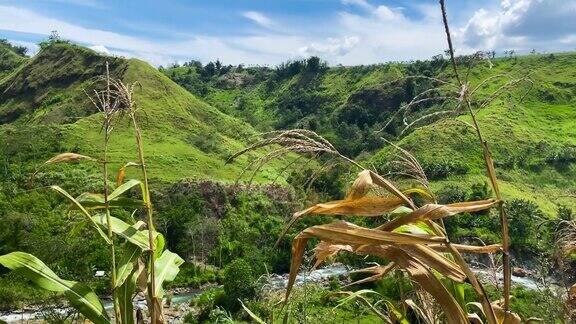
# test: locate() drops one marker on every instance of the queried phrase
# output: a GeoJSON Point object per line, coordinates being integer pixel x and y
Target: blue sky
{"type": "Point", "coordinates": [271, 31]}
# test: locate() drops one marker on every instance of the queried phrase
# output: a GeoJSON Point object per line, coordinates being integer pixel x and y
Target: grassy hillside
{"type": "Point", "coordinates": [11, 57]}
{"type": "Point", "coordinates": [533, 139]}
{"type": "Point", "coordinates": [345, 104]}
{"type": "Point", "coordinates": [45, 99]}
{"type": "Point", "coordinates": [531, 131]}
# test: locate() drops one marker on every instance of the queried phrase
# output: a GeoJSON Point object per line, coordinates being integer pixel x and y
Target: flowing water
{"type": "Point", "coordinates": [272, 282]}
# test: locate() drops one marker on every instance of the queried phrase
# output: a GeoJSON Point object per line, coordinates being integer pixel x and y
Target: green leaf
{"type": "Point", "coordinates": [159, 244]}
{"type": "Point", "coordinates": [96, 201]}
{"type": "Point", "coordinates": [400, 211]}
{"type": "Point", "coordinates": [80, 296]}
{"type": "Point", "coordinates": [122, 229]}
{"type": "Point", "coordinates": [252, 315]}
{"type": "Point", "coordinates": [83, 210]}
{"type": "Point", "coordinates": [124, 294]}
{"type": "Point", "coordinates": [415, 228]}
{"type": "Point", "coordinates": [123, 188]}
{"type": "Point", "coordinates": [126, 264]}
{"type": "Point", "coordinates": [166, 268]}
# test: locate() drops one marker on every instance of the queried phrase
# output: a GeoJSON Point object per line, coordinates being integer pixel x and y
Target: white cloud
{"type": "Point", "coordinates": [160, 52]}
{"type": "Point", "coordinates": [332, 47]}
{"type": "Point", "coordinates": [32, 48]}
{"type": "Point", "coordinates": [388, 34]}
{"type": "Point", "coordinates": [377, 34]}
{"type": "Point", "coordinates": [522, 25]}
{"type": "Point", "coordinates": [259, 18]}
{"type": "Point", "coordinates": [100, 49]}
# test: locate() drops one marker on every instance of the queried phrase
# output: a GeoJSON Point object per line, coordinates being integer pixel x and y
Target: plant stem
{"type": "Point", "coordinates": [107, 126]}
{"type": "Point", "coordinates": [489, 166]}
{"type": "Point", "coordinates": [149, 212]}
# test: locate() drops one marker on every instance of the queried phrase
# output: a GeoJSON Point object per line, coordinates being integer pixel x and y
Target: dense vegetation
{"type": "Point", "coordinates": [196, 116]}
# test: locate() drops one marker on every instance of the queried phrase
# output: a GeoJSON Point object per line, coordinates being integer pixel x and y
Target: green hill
{"type": "Point", "coordinates": [533, 139]}
{"type": "Point", "coordinates": [44, 110]}
{"type": "Point", "coordinates": [531, 131]}
{"type": "Point", "coordinates": [11, 57]}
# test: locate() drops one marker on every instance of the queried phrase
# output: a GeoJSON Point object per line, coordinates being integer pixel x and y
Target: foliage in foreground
{"type": "Point", "coordinates": [144, 264]}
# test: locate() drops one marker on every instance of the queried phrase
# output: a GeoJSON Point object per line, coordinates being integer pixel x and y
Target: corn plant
{"type": "Point", "coordinates": [145, 265]}
{"type": "Point", "coordinates": [412, 240]}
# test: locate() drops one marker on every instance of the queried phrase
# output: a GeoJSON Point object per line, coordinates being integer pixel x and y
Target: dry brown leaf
{"type": "Point", "coordinates": [435, 211]}
{"type": "Point", "coordinates": [435, 261]}
{"type": "Point", "coordinates": [298, 246]}
{"type": "Point", "coordinates": [378, 273]}
{"type": "Point", "coordinates": [362, 206]}
{"type": "Point", "coordinates": [383, 183]}
{"type": "Point", "coordinates": [68, 158]}
{"type": "Point", "coordinates": [345, 233]}
{"type": "Point", "coordinates": [421, 274]}
{"type": "Point", "coordinates": [493, 248]}
{"type": "Point", "coordinates": [120, 177]}
{"type": "Point", "coordinates": [475, 319]}
{"type": "Point", "coordinates": [324, 250]}
{"type": "Point", "coordinates": [342, 232]}
{"type": "Point", "coordinates": [361, 185]}
{"type": "Point", "coordinates": [505, 318]}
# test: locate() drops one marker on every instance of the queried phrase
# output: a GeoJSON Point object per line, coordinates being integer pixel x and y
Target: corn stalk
{"type": "Point", "coordinates": [465, 96]}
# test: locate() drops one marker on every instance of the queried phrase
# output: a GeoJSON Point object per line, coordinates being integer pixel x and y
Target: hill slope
{"type": "Point", "coordinates": [44, 108]}
{"type": "Point", "coordinates": [531, 131]}
{"type": "Point", "coordinates": [533, 137]}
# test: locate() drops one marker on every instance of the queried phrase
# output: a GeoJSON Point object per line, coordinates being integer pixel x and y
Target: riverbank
{"type": "Point", "coordinates": [177, 302]}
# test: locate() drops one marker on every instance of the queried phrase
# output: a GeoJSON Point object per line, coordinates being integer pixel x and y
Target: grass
{"type": "Point", "coordinates": [525, 131]}
{"type": "Point", "coordinates": [184, 136]}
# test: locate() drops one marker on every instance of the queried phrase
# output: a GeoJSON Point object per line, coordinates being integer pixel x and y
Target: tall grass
{"type": "Point", "coordinates": [145, 265]}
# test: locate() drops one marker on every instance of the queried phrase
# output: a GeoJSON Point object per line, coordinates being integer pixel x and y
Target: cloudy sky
{"type": "Point", "coordinates": [271, 31]}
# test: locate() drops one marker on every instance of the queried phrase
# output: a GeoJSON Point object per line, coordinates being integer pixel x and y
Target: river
{"type": "Point", "coordinates": [271, 282]}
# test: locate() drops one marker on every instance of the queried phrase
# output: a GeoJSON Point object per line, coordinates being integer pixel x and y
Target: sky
{"type": "Point", "coordinates": [268, 32]}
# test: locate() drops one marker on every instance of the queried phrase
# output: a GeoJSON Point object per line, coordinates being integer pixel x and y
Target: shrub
{"type": "Point", "coordinates": [238, 283]}
{"type": "Point", "coordinates": [526, 234]}
{"type": "Point", "coordinates": [438, 170]}
{"type": "Point", "coordinates": [480, 191]}
{"type": "Point", "coordinates": [451, 194]}
{"type": "Point", "coordinates": [562, 158]}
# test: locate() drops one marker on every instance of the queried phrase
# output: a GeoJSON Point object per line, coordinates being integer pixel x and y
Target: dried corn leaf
{"type": "Point", "coordinates": [422, 192]}
{"type": "Point", "coordinates": [435, 261]}
{"type": "Point", "coordinates": [345, 233]}
{"type": "Point", "coordinates": [361, 185]}
{"type": "Point", "coordinates": [378, 273]}
{"type": "Point", "coordinates": [505, 318]}
{"type": "Point", "coordinates": [362, 206]}
{"type": "Point", "coordinates": [122, 173]}
{"type": "Point", "coordinates": [298, 246]}
{"type": "Point", "coordinates": [475, 319]}
{"type": "Point", "coordinates": [342, 232]}
{"type": "Point", "coordinates": [435, 211]}
{"type": "Point", "coordinates": [324, 250]}
{"type": "Point", "coordinates": [493, 248]}
{"type": "Point", "coordinates": [421, 274]}
{"type": "Point", "coordinates": [68, 158]}
{"type": "Point", "coordinates": [383, 183]}
{"type": "Point", "coordinates": [120, 177]}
